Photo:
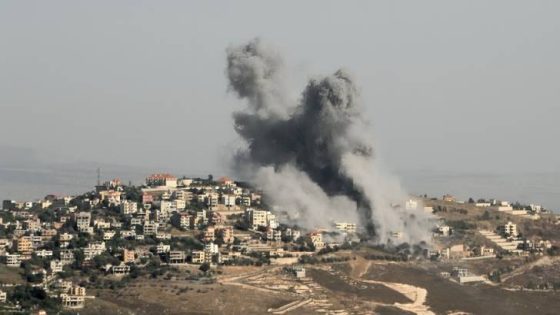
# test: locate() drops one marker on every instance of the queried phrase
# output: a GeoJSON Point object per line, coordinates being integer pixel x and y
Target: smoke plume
{"type": "Point", "coordinates": [314, 158]}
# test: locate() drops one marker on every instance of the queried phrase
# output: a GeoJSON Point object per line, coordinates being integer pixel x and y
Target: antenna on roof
{"type": "Point", "coordinates": [98, 176]}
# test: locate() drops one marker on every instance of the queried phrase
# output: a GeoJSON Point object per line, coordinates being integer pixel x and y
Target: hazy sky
{"type": "Point", "coordinates": [448, 85]}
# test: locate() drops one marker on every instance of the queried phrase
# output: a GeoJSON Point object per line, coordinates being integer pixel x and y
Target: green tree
{"type": "Point", "coordinates": [204, 267]}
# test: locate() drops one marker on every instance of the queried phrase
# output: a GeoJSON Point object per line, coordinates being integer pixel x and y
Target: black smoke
{"type": "Point", "coordinates": [318, 147]}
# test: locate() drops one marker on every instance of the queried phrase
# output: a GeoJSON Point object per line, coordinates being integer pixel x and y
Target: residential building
{"type": "Point", "coordinates": [508, 229]}
{"type": "Point", "coordinates": [24, 245]}
{"type": "Point", "coordinates": [150, 228]}
{"type": "Point", "coordinates": [13, 260]}
{"type": "Point", "coordinates": [257, 217]}
{"type": "Point", "coordinates": [72, 301]}
{"type": "Point", "coordinates": [198, 257]}
{"type": "Point", "coordinates": [177, 257]}
{"type": "Point", "coordinates": [228, 200]}
{"type": "Point", "coordinates": [129, 207]}
{"type": "Point", "coordinates": [120, 270]}
{"type": "Point", "coordinates": [83, 220]}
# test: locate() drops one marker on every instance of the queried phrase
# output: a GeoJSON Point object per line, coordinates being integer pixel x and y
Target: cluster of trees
{"type": "Point", "coordinates": [312, 260]}
{"type": "Point", "coordinates": [30, 297]}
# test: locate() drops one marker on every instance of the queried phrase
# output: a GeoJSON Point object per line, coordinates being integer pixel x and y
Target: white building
{"type": "Point", "coordinates": [13, 260]}
{"type": "Point", "coordinates": [228, 200]}
{"type": "Point", "coordinates": [346, 227]}
{"type": "Point", "coordinates": [56, 265]}
{"type": "Point", "coordinates": [509, 229]}
{"type": "Point", "coordinates": [94, 249]}
{"type": "Point", "coordinates": [179, 204]}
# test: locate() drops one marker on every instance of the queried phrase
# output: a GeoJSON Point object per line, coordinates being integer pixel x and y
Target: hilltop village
{"type": "Point", "coordinates": [63, 254]}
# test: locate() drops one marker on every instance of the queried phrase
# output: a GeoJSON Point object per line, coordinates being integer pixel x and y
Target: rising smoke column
{"type": "Point", "coordinates": [319, 146]}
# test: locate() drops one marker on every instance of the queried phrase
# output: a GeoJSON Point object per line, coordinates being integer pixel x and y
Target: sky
{"type": "Point", "coordinates": [470, 86]}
